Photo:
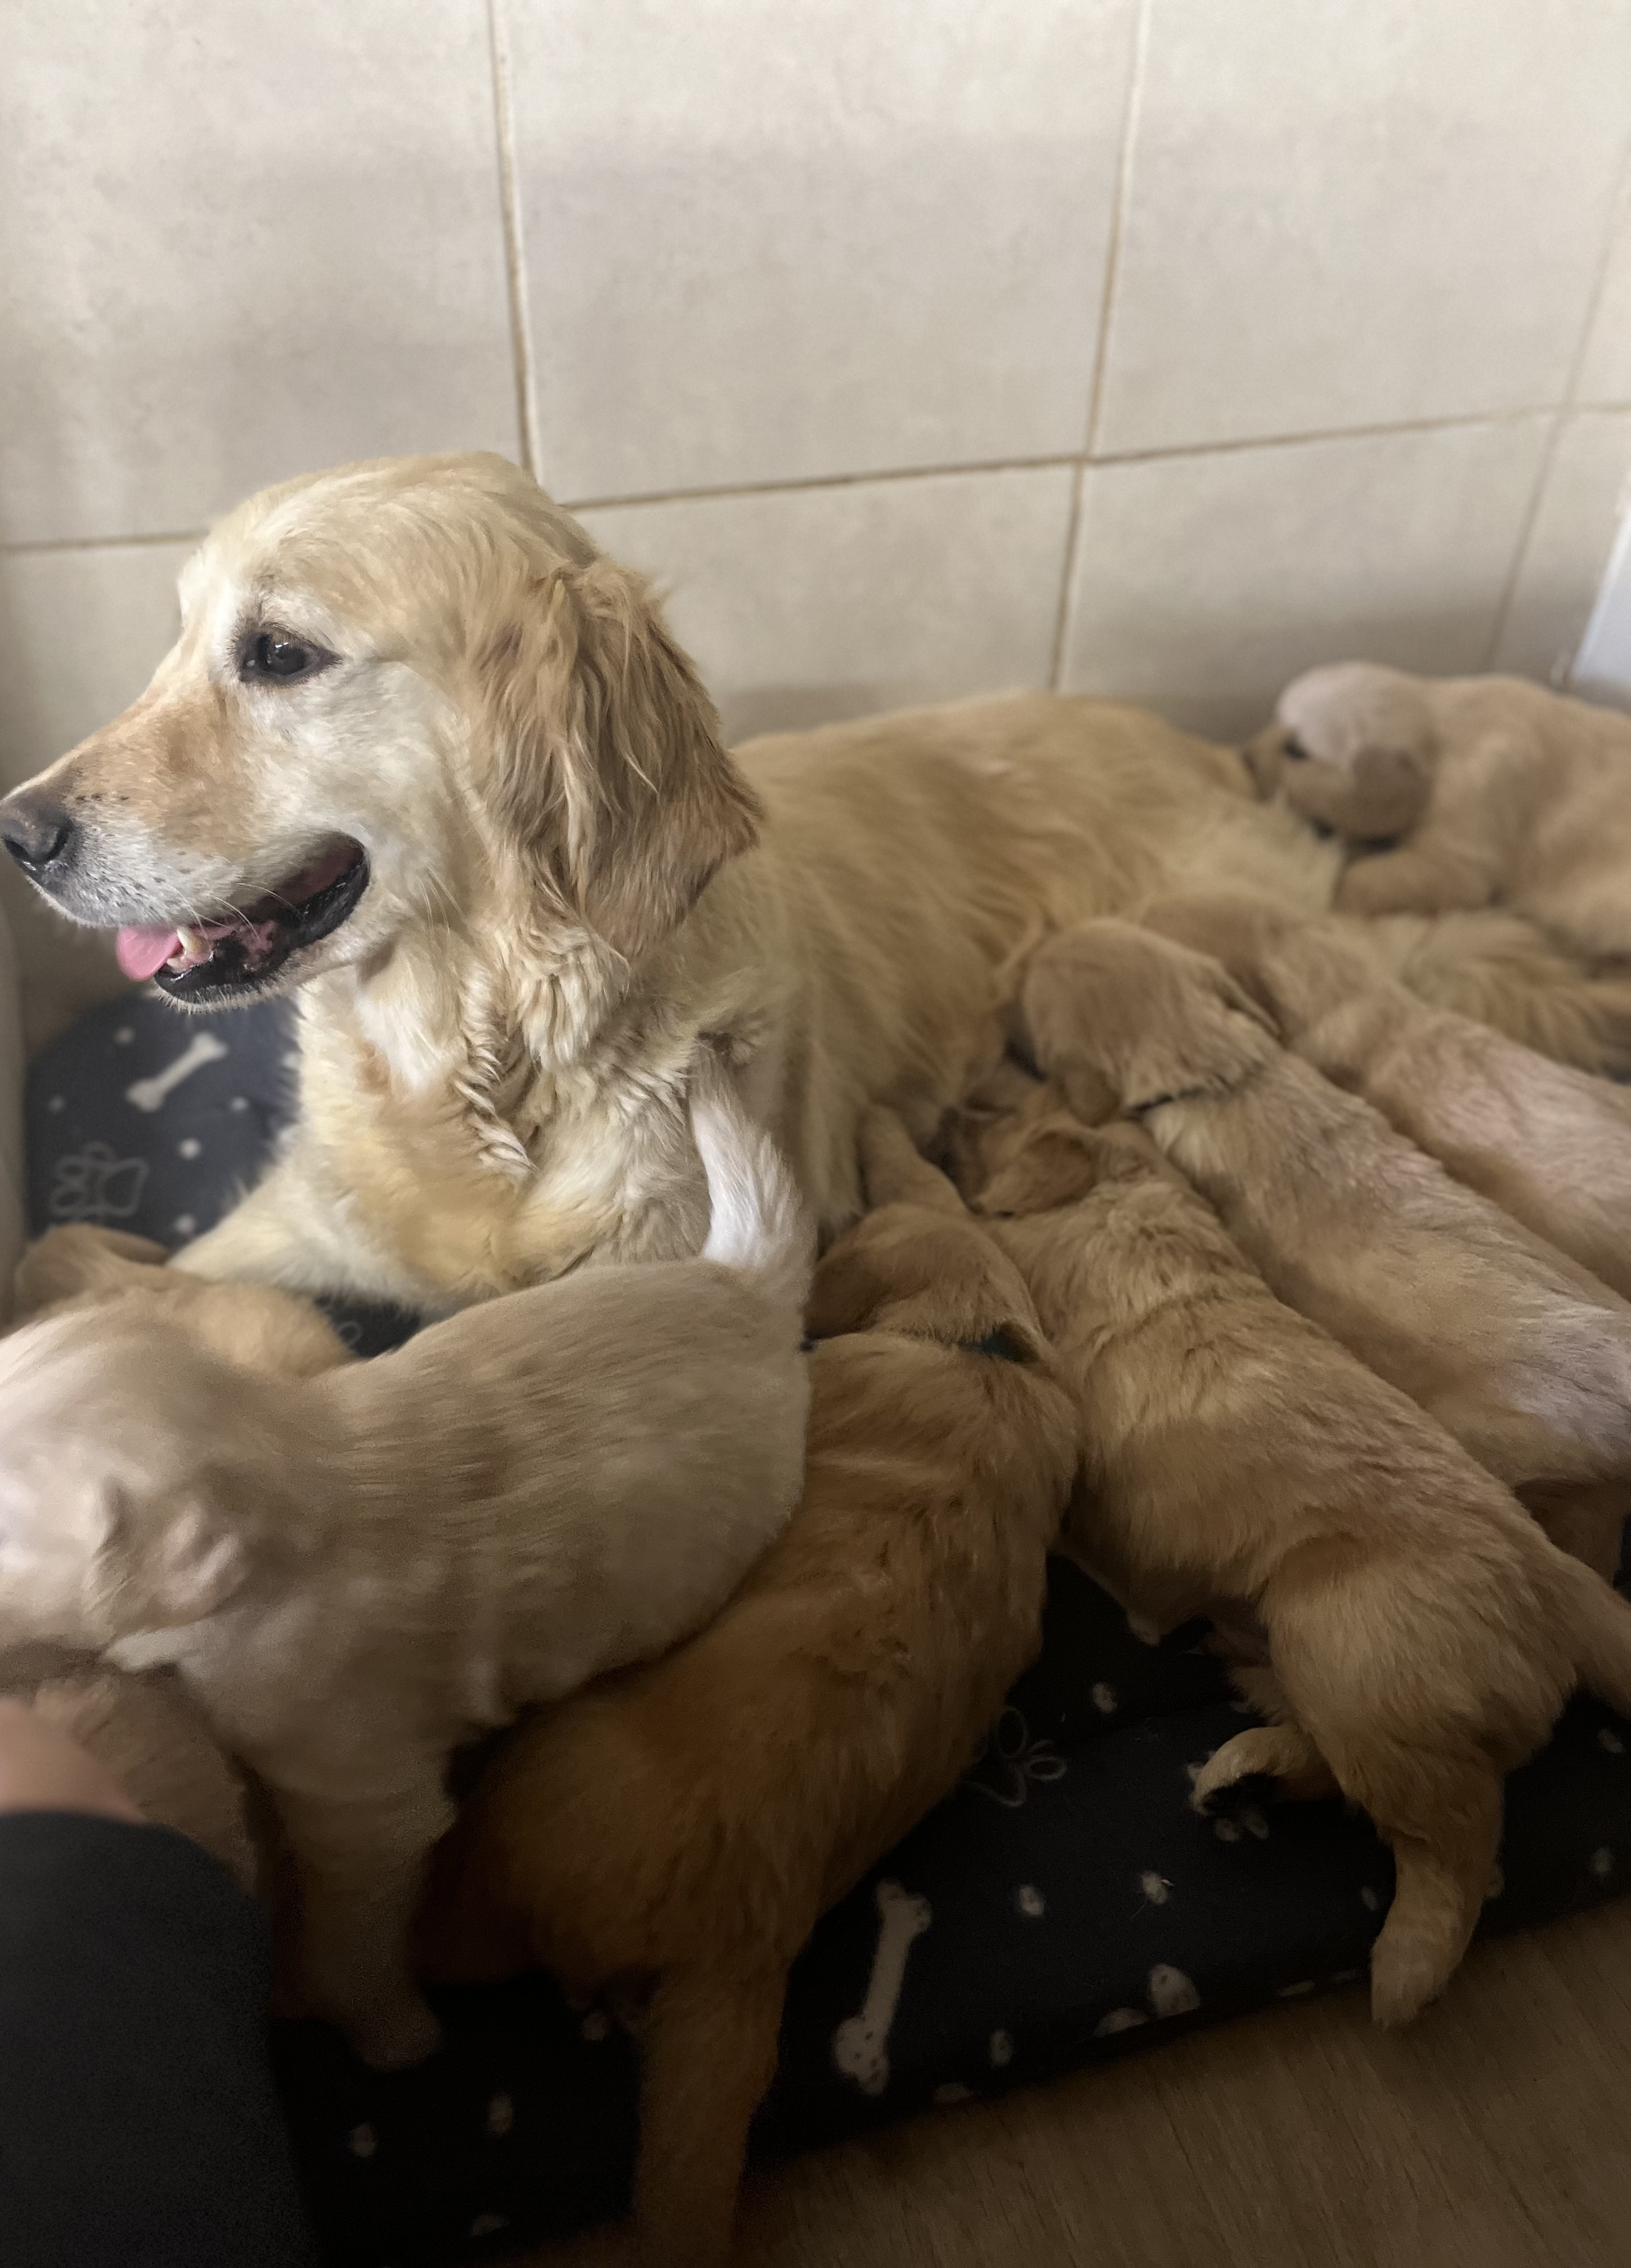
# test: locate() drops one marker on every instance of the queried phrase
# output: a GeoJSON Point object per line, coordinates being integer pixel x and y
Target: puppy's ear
{"type": "Point", "coordinates": [608, 768]}
{"type": "Point", "coordinates": [66, 1262]}
{"type": "Point", "coordinates": [165, 1565]}
{"type": "Point", "coordinates": [1058, 1165]}
{"type": "Point", "coordinates": [846, 1291]}
{"type": "Point", "coordinates": [1264, 758]}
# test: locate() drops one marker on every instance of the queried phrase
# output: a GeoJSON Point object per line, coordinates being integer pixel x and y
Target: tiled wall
{"type": "Point", "coordinates": [1155, 347]}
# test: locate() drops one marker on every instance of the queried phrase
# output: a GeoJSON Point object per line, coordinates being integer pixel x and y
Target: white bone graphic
{"type": "Point", "coordinates": [860, 2044]}
{"type": "Point", "coordinates": [149, 1093]}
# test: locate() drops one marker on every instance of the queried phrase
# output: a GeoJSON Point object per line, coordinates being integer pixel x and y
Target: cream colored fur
{"type": "Point", "coordinates": [353, 1572]}
{"type": "Point", "coordinates": [570, 880]}
{"type": "Point", "coordinates": [1549, 1144]}
{"type": "Point", "coordinates": [1520, 1353]}
{"type": "Point", "coordinates": [1501, 791]}
{"type": "Point", "coordinates": [1423, 1632]}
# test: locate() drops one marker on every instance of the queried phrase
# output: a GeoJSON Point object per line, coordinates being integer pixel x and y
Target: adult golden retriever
{"type": "Point", "coordinates": [422, 753]}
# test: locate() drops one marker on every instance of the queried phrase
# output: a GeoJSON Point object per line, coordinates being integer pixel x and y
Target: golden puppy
{"type": "Point", "coordinates": [1501, 790]}
{"type": "Point", "coordinates": [1548, 1144]}
{"type": "Point", "coordinates": [1424, 1631]}
{"type": "Point", "coordinates": [355, 1573]}
{"type": "Point", "coordinates": [421, 752]}
{"type": "Point", "coordinates": [1520, 1353]}
{"type": "Point", "coordinates": [684, 1824]}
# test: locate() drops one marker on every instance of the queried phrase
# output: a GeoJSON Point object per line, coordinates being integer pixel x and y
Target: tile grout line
{"type": "Point", "coordinates": [514, 252]}
{"type": "Point", "coordinates": [727, 491]}
{"type": "Point", "coordinates": [1101, 344]}
{"type": "Point", "coordinates": [1566, 409]}
{"type": "Point", "coordinates": [896, 475]}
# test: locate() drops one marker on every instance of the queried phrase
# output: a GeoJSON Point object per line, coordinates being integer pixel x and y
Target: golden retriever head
{"type": "Point", "coordinates": [408, 695]}
{"type": "Point", "coordinates": [1123, 1019]}
{"type": "Point", "coordinates": [256, 1326]}
{"type": "Point", "coordinates": [1352, 747]}
{"type": "Point", "coordinates": [918, 1264]}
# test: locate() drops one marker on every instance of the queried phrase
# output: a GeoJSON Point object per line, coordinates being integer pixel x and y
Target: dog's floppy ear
{"type": "Point", "coordinates": [607, 762]}
{"type": "Point", "coordinates": [1058, 1164]}
{"type": "Point", "coordinates": [162, 1566]}
{"type": "Point", "coordinates": [1264, 758]}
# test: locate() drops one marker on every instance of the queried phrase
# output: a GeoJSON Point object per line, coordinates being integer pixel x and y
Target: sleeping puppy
{"type": "Point", "coordinates": [1549, 1146]}
{"type": "Point", "coordinates": [356, 1571]}
{"type": "Point", "coordinates": [1424, 1632]}
{"type": "Point", "coordinates": [1499, 789]}
{"type": "Point", "coordinates": [1521, 1354]}
{"type": "Point", "coordinates": [683, 1825]}
{"type": "Point", "coordinates": [78, 1268]}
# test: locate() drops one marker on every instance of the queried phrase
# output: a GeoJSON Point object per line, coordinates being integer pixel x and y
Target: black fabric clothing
{"type": "Point", "coordinates": [138, 2125]}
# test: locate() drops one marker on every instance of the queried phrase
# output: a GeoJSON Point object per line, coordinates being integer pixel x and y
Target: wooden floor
{"type": "Point", "coordinates": [1496, 2134]}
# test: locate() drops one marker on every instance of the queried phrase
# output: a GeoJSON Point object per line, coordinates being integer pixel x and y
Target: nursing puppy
{"type": "Point", "coordinates": [1521, 1354]}
{"type": "Point", "coordinates": [683, 1825]}
{"type": "Point", "coordinates": [423, 754]}
{"type": "Point", "coordinates": [1499, 789]}
{"type": "Point", "coordinates": [1550, 1145]}
{"type": "Point", "coordinates": [1424, 1632]}
{"type": "Point", "coordinates": [354, 1572]}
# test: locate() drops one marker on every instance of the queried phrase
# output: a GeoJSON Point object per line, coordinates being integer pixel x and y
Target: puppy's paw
{"type": "Point", "coordinates": [1283, 1753]}
{"type": "Point", "coordinates": [1405, 1977]}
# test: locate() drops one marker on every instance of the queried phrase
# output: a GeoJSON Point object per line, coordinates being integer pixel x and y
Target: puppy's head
{"type": "Point", "coordinates": [1297, 970]}
{"type": "Point", "coordinates": [1057, 1161]}
{"type": "Point", "coordinates": [129, 1461]}
{"type": "Point", "coordinates": [1352, 747]}
{"type": "Point", "coordinates": [408, 697]}
{"type": "Point", "coordinates": [255, 1325]}
{"type": "Point", "coordinates": [1122, 1018]}
{"type": "Point", "coordinates": [918, 1264]}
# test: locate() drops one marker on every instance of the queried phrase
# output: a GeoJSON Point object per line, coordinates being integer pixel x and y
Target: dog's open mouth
{"type": "Point", "coordinates": [218, 960]}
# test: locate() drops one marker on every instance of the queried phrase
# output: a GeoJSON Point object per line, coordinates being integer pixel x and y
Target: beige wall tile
{"type": "Point", "coordinates": [1350, 216]}
{"type": "Point", "coordinates": [1203, 584]}
{"type": "Point", "coordinates": [237, 243]}
{"type": "Point", "coordinates": [81, 632]}
{"type": "Point", "coordinates": [765, 243]}
{"type": "Point", "coordinates": [1605, 368]}
{"type": "Point", "coordinates": [1568, 547]}
{"type": "Point", "coordinates": [819, 603]}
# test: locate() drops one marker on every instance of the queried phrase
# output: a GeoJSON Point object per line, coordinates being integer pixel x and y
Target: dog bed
{"type": "Point", "coordinates": [1065, 1903]}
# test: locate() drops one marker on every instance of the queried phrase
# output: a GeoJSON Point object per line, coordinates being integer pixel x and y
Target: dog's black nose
{"type": "Point", "coordinates": [38, 833]}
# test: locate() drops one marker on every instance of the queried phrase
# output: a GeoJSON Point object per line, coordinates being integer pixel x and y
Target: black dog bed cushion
{"type": "Point", "coordinates": [1065, 1903]}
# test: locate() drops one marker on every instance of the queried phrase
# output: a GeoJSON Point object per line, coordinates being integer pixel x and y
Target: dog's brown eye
{"type": "Point", "coordinates": [274, 656]}
{"type": "Point", "coordinates": [1295, 749]}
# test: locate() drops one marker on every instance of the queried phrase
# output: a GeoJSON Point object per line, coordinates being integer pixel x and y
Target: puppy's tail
{"type": "Point", "coordinates": [757, 1219]}
{"type": "Point", "coordinates": [1603, 1637]}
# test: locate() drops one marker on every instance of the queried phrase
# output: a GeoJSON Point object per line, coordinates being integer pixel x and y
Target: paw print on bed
{"type": "Point", "coordinates": [95, 1184]}
{"type": "Point", "coordinates": [1009, 1761]}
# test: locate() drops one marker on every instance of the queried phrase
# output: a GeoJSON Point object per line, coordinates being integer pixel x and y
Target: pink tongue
{"type": "Point", "coordinates": [142, 953]}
